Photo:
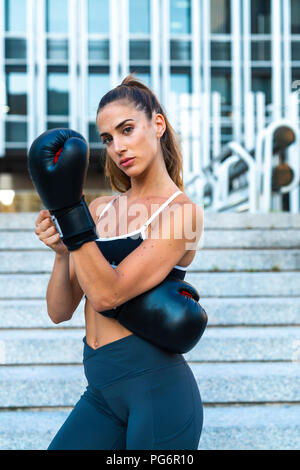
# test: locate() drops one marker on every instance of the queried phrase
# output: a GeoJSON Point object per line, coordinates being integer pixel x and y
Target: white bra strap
{"type": "Point", "coordinates": [161, 208]}
{"type": "Point", "coordinates": [107, 207]}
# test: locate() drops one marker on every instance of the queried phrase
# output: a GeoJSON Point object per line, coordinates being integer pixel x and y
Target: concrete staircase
{"type": "Point", "coordinates": [247, 364]}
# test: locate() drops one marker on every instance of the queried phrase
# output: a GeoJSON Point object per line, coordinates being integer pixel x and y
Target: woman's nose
{"type": "Point", "coordinates": [119, 145]}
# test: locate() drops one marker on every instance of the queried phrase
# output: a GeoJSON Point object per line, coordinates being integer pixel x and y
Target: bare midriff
{"type": "Point", "coordinates": [101, 330]}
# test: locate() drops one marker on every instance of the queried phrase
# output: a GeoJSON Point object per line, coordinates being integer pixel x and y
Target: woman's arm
{"type": "Point", "coordinates": [148, 265]}
{"type": "Point", "coordinates": [63, 292]}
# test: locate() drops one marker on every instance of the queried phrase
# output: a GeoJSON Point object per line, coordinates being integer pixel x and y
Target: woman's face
{"type": "Point", "coordinates": [128, 134]}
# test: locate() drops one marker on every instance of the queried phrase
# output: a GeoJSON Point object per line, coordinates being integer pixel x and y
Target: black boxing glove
{"type": "Point", "coordinates": [168, 315]}
{"type": "Point", "coordinates": [57, 164]}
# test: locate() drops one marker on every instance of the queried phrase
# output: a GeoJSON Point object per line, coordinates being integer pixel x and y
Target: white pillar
{"type": "Point", "coordinates": [165, 46]}
{"type": "Point", "coordinates": [72, 62]}
{"type": "Point", "coordinates": [236, 70]}
{"type": "Point", "coordinates": [156, 39]}
{"type": "Point", "coordinates": [3, 103]}
{"type": "Point", "coordinates": [41, 96]}
{"type": "Point", "coordinates": [83, 125]}
{"type": "Point", "coordinates": [206, 82]}
{"type": "Point", "coordinates": [123, 14]}
{"type": "Point", "coordinates": [114, 42]}
{"type": "Point", "coordinates": [276, 59]}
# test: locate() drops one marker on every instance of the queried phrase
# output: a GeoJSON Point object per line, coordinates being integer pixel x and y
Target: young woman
{"type": "Point", "coordinates": [139, 396]}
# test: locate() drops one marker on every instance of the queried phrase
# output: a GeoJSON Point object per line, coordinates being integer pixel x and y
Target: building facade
{"type": "Point", "coordinates": [58, 58]}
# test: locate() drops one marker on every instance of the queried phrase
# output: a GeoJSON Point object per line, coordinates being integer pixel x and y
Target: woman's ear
{"type": "Point", "coordinates": [160, 125]}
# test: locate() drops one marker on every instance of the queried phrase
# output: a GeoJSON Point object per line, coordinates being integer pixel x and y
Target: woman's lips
{"type": "Point", "coordinates": [128, 162]}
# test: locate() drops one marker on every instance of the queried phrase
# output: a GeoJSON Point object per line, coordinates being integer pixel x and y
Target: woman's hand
{"type": "Point", "coordinates": [48, 234]}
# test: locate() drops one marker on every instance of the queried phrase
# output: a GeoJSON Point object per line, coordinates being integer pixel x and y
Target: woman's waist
{"type": "Point", "coordinates": [127, 354]}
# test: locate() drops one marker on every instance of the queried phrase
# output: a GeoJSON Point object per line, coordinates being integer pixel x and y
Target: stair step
{"type": "Point", "coordinates": [205, 260]}
{"type": "Point", "coordinates": [267, 427]}
{"type": "Point", "coordinates": [232, 238]}
{"type": "Point", "coordinates": [29, 313]}
{"type": "Point", "coordinates": [31, 286]}
{"type": "Point", "coordinates": [46, 385]}
{"type": "Point", "coordinates": [228, 220]}
{"type": "Point", "coordinates": [218, 344]}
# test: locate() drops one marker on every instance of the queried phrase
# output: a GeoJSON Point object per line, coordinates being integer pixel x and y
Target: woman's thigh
{"type": "Point", "coordinates": [87, 428]}
{"type": "Point", "coordinates": [164, 409]}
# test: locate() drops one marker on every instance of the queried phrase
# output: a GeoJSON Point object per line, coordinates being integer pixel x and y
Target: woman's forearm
{"type": "Point", "coordinates": [97, 278]}
{"type": "Point", "coordinates": [59, 295]}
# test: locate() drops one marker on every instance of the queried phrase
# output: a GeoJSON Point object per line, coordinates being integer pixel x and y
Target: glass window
{"type": "Point", "coordinates": [261, 50]}
{"type": "Point", "coordinates": [295, 50]}
{"type": "Point", "coordinates": [94, 133]}
{"type": "Point", "coordinates": [139, 16]}
{"type": "Point", "coordinates": [220, 50]}
{"type": "Point", "coordinates": [180, 16]}
{"type": "Point", "coordinates": [139, 50]}
{"type": "Point", "coordinates": [261, 81]}
{"type": "Point", "coordinates": [16, 131]}
{"type": "Point", "coordinates": [98, 85]}
{"type": "Point", "coordinates": [180, 50]}
{"type": "Point", "coordinates": [295, 16]}
{"type": "Point", "coordinates": [16, 85]}
{"type": "Point", "coordinates": [15, 16]}
{"type": "Point", "coordinates": [57, 93]}
{"type": "Point", "coordinates": [220, 16]}
{"type": "Point", "coordinates": [260, 17]}
{"type": "Point", "coordinates": [57, 124]}
{"type": "Point", "coordinates": [98, 50]}
{"type": "Point", "coordinates": [143, 74]}
{"type": "Point", "coordinates": [296, 81]}
{"type": "Point", "coordinates": [221, 83]}
{"type": "Point", "coordinates": [57, 16]}
{"type": "Point", "coordinates": [180, 81]}
{"type": "Point", "coordinates": [15, 48]}
{"type": "Point", "coordinates": [98, 16]}
{"type": "Point", "coordinates": [57, 49]}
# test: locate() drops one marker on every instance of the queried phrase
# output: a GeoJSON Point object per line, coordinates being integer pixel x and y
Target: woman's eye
{"type": "Point", "coordinates": [106, 140]}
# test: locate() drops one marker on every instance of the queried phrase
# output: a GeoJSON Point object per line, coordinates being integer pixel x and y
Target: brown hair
{"type": "Point", "coordinates": [135, 91]}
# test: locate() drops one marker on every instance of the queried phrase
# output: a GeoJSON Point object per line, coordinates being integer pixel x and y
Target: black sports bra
{"type": "Point", "coordinates": [115, 249]}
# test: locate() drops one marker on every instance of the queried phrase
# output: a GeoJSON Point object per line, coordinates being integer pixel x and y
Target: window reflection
{"type": "Point", "coordinates": [15, 16]}
{"type": "Point", "coordinates": [98, 50]}
{"type": "Point", "coordinates": [180, 16]}
{"type": "Point", "coordinates": [220, 16]}
{"type": "Point", "coordinates": [98, 85]}
{"type": "Point", "coordinates": [261, 81]}
{"type": "Point", "coordinates": [16, 131]}
{"type": "Point", "coordinates": [57, 93]}
{"type": "Point", "coordinates": [295, 50]}
{"type": "Point", "coordinates": [15, 48]}
{"type": "Point", "coordinates": [180, 50]}
{"type": "Point", "coordinates": [139, 50]}
{"type": "Point", "coordinates": [180, 81]}
{"type": "Point", "coordinates": [98, 16]}
{"type": "Point", "coordinates": [260, 16]}
{"type": "Point", "coordinates": [261, 50]}
{"type": "Point", "coordinates": [16, 83]}
{"type": "Point", "coordinates": [221, 83]}
{"type": "Point", "coordinates": [142, 74]}
{"type": "Point", "coordinates": [57, 49]}
{"type": "Point", "coordinates": [295, 16]}
{"type": "Point", "coordinates": [57, 16]}
{"type": "Point", "coordinates": [139, 16]}
{"type": "Point", "coordinates": [220, 50]}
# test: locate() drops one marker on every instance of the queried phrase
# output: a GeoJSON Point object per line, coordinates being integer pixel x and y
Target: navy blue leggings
{"type": "Point", "coordinates": [138, 396]}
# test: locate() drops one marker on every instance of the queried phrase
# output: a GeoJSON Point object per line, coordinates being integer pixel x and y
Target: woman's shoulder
{"type": "Point", "coordinates": [97, 205]}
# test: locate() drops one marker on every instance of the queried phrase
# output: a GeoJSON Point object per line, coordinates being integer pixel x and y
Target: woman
{"type": "Point", "coordinates": [139, 396]}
